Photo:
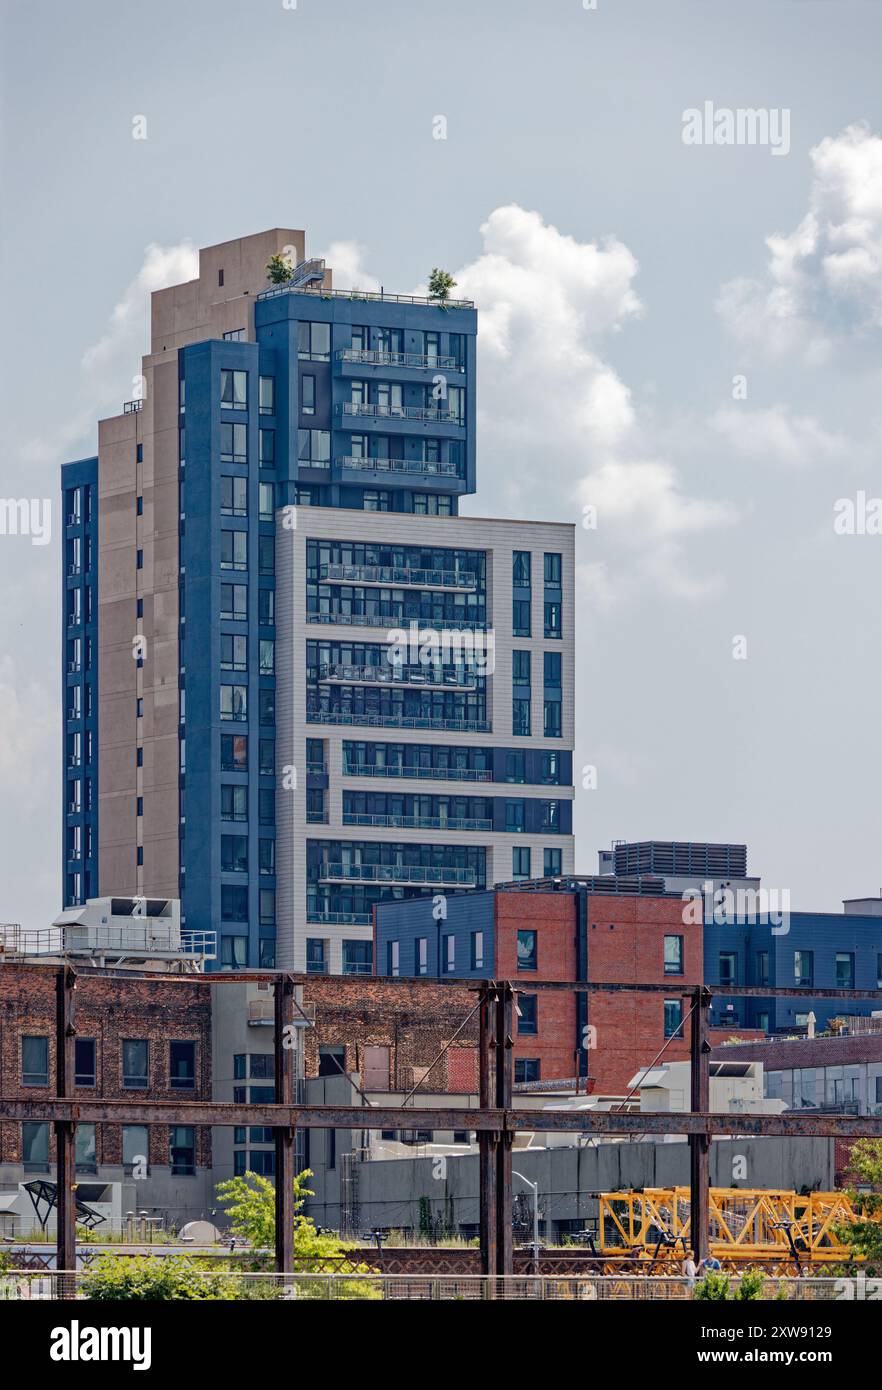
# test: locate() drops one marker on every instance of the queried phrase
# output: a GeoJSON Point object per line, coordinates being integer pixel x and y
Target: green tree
{"type": "Point", "coordinates": [712, 1288]}
{"type": "Point", "coordinates": [278, 271]}
{"type": "Point", "coordinates": [750, 1286]}
{"type": "Point", "coordinates": [440, 285]}
{"type": "Point", "coordinates": [863, 1236]}
{"type": "Point", "coordinates": [150, 1278]}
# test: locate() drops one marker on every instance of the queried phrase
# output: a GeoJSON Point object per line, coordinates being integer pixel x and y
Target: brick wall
{"type": "Point", "coordinates": [553, 917]}
{"type": "Point", "coordinates": [413, 1020]}
{"type": "Point", "coordinates": [107, 1010]}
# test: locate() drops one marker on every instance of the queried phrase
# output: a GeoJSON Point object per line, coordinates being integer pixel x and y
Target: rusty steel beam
{"type": "Point", "coordinates": [487, 1139]}
{"type": "Point", "coordinates": [65, 1128]}
{"type": "Point", "coordinates": [504, 1094]}
{"type": "Point", "coordinates": [284, 1134]}
{"type": "Point", "coordinates": [494, 1121]}
{"type": "Point", "coordinates": [699, 1144]}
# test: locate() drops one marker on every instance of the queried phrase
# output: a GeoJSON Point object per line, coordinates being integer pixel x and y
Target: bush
{"type": "Point", "coordinates": [150, 1278]}
{"type": "Point", "coordinates": [712, 1288]}
{"type": "Point", "coordinates": [751, 1285]}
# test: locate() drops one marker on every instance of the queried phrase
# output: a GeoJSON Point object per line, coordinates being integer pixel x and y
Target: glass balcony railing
{"type": "Point", "coordinates": [399, 721]}
{"type": "Point", "coordinates": [395, 873]}
{"type": "Point", "coordinates": [417, 822]}
{"type": "Point", "coordinates": [419, 467]}
{"type": "Point", "coordinates": [338, 919]}
{"type": "Point", "coordinates": [447, 677]}
{"type": "Point", "coordinates": [373, 410]}
{"type": "Point", "coordinates": [396, 576]}
{"type": "Point", "coordinates": [375, 357]}
{"type": "Point", "coordinates": [437, 774]}
{"type": "Point", "coordinates": [394, 620]}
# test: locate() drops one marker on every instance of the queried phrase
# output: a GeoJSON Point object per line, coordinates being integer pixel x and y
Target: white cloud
{"type": "Point", "coordinates": [823, 281]}
{"type": "Point", "coordinates": [344, 259]}
{"type": "Point", "coordinates": [28, 738]}
{"type": "Point", "coordinates": [777, 435]}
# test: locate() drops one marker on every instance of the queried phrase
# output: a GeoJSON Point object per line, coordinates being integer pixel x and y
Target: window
{"type": "Point", "coordinates": [267, 395]}
{"type": "Point", "coordinates": [393, 957]}
{"type": "Point", "coordinates": [673, 1018]}
{"type": "Point", "coordinates": [551, 863]}
{"type": "Point", "coordinates": [552, 668]}
{"type": "Point", "coordinates": [551, 719]}
{"type": "Point", "coordinates": [234, 444]}
{"type": "Point", "coordinates": [316, 958]}
{"type": "Point", "coordinates": [314, 447]}
{"type": "Point", "coordinates": [234, 390]}
{"type": "Point", "coordinates": [267, 451]}
{"type": "Point", "coordinates": [520, 667]}
{"type": "Point", "coordinates": [520, 568]}
{"type": "Point", "coordinates": [84, 1149]}
{"type": "Point", "coordinates": [514, 816]}
{"type": "Point", "coordinates": [135, 1146]}
{"type": "Point", "coordinates": [528, 1014]}
{"type": "Point", "coordinates": [234, 702]}
{"type": "Point", "coordinates": [234, 496]}
{"type": "Point", "coordinates": [520, 862]}
{"type": "Point", "coordinates": [135, 1060]}
{"type": "Point", "coordinates": [139, 564]}
{"type": "Point", "coordinates": [728, 968]}
{"type": "Point", "coordinates": [234, 854]}
{"type": "Point", "coordinates": [450, 953]}
{"type": "Point", "coordinates": [266, 907]}
{"type": "Point", "coordinates": [235, 335]}
{"type": "Point", "coordinates": [527, 1069]}
{"type": "Point", "coordinates": [527, 950]}
{"type": "Point", "coordinates": [234, 903]}
{"type": "Point", "coordinates": [762, 967]}
{"type": "Point", "coordinates": [422, 955]}
{"type": "Point", "coordinates": [84, 1062]}
{"type": "Point", "coordinates": [234, 601]}
{"type": "Point", "coordinates": [234, 802]}
{"type": "Point", "coordinates": [673, 954]}
{"type": "Point", "coordinates": [332, 1060]}
{"type": "Point", "coordinates": [182, 1150]}
{"type": "Point", "coordinates": [314, 342]}
{"type": "Point", "coordinates": [266, 707]}
{"type": "Point", "coordinates": [234, 949]}
{"type": "Point", "coordinates": [266, 555]}
{"type": "Point", "coordinates": [515, 767]}
{"type": "Point", "coordinates": [234, 753]}
{"type": "Point", "coordinates": [182, 1066]}
{"type": "Point", "coordinates": [233, 651]}
{"type": "Point", "coordinates": [477, 956]}
{"type": "Point", "coordinates": [266, 856]}
{"type": "Point", "coordinates": [358, 957]}
{"type": "Point", "coordinates": [265, 501]}
{"type": "Point", "coordinates": [35, 1147]}
{"type": "Point", "coordinates": [804, 968]}
{"type": "Point", "coordinates": [234, 550]}
{"type": "Point", "coordinates": [844, 970]}
{"type": "Point", "coordinates": [266, 607]}
{"type": "Point", "coordinates": [266, 656]}
{"type": "Point", "coordinates": [553, 570]}
{"type": "Point", "coordinates": [34, 1061]}
{"type": "Point", "coordinates": [520, 618]}
{"type": "Point", "coordinates": [520, 716]}
{"type": "Point", "coordinates": [553, 620]}
{"type": "Point", "coordinates": [266, 757]}
{"type": "Point", "coordinates": [307, 395]}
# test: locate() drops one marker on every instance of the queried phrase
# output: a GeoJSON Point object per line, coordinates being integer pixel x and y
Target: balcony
{"type": "Point", "coordinates": [132, 407]}
{"type": "Point", "coordinates": [389, 620]}
{"type": "Point", "coordinates": [373, 357]}
{"type": "Point", "coordinates": [438, 468]}
{"type": "Point", "coordinates": [399, 721]}
{"type": "Point", "coordinates": [438, 774]}
{"type": "Point", "coordinates": [396, 873]}
{"type": "Point", "coordinates": [366, 296]}
{"type": "Point", "coordinates": [372, 411]}
{"type": "Point", "coordinates": [436, 677]}
{"type": "Point", "coordinates": [338, 919]}
{"type": "Point", "coordinates": [417, 822]}
{"type": "Point", "coordinates": [397, 576]}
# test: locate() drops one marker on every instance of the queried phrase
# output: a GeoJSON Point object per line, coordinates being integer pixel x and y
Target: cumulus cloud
{"type": "Point", "coordinates": [777, 435]}
{"type": "Point", "coordinates": [345, 260]}
{"type": "Point", "coordinates": [823, 281]}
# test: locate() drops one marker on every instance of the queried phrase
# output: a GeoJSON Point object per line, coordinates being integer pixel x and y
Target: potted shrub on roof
{"type": "Point", "coordinates": [278, 271]}
{"type": "Point", "coordinates": [440, 285]}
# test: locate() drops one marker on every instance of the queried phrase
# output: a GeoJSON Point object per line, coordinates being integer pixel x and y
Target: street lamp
{"type": "Point", "coordinates": [534, 1186]}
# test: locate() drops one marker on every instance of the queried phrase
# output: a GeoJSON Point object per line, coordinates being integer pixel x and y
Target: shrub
{"type": "Point", "coordinates": [150, 1278]}
{"type": "Point", "coordinates": [712, 1288]}
{"type": "Point", "coordinates": [751, 1285]}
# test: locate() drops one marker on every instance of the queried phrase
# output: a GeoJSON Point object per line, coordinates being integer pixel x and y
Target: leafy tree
{"type": "Point", "coordinates": [750, 1286]}
{"type": "Point", "coordinates": [863, 1237]}
{"type": "Point", "coordinates": [712, 1288]}
{"type": "Point", "coordinates": [440, 285]}
{"type": "Point", "coordinates": [278, 271]}
{"type": "Point", "coordinates": [149, 1278]}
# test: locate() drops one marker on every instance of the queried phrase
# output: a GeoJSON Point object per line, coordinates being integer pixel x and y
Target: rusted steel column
{"type": "Point", "coordinates": [487, 1142]}
{"type": "Point", "coordinates": [65, 1131]}
{"type": "Point", "coordinates": [699, 1144]}
{"type": "Point", "coordinates": [284, 1135]}
{"type": "Point", "coordinates": [504, 1094]}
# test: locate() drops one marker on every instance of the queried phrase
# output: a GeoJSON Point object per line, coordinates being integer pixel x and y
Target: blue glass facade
{"type": "Point", "coordinates": [79, 665]}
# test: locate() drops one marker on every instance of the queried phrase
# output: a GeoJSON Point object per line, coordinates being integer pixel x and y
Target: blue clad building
{"type": "Point", "coordinates": [280, 499]}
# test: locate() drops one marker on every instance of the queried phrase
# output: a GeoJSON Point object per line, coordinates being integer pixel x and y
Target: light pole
{"type": "Point", "coordinates": [535, 1189]}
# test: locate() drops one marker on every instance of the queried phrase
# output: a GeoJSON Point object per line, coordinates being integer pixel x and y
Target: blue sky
{"type": "Point", "coordinates": [624, 279]}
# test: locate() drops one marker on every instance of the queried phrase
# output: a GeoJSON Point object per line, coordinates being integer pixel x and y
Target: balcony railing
{"type": "Point", "coordinates": [422, 467]}
{"type": "Point", "coordinates": [375, 357]}
{"type": "Point", "coordinates": [399, 721]}
{"type": "Point", "coordinates": [366, 296]}
{"type": "Point", "coordinates": [439, 774]}
{"type": "Point", "coordinates": [339, 919]}
{"type": "Point", "coordinates": [417, 822]}
{"type": "Point", "coordinates": [402, 412]}
{"type": "Point", "coordinates": [317, 769]}
{"type": "Point", "coordinates": [397, 576]}
{"type": "Point", "coordinates": [390, 620]}
{"type": "Point", "coordinates": [395, 873]}
{"type": "Point", "coordinates": [435, 676]}
{"type": "Point", "coordinates": [131, 407]}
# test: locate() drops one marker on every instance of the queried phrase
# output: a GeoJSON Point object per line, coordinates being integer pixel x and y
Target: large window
{"type": "Point", "coordinates": [314, 342]}
{"type": "Point", "coordinates": [528, 1014]}
{"type": "Point", "coordinates": [267, 395]}
{"type": "Point", "coordinates": [804, 968]}
{"type": "Point", "coordinates": [85, 1156]}
{"type": "Point", "coordinates": [135, 1063]}
{"type": "Point", "coordinates": [314, 447]}
{"type": "Point", "coordinates": [35, 1146]}
{"type": "Point", "coordinates": [316, 957]}
{"type": "Point", "coordinates": [527, 1069]}
{"type": "Point", "coordinates": [844, 970]}
{"type": "Point", "coordinates": [527, 950]}
{"type": "Point", "coordinates": [520, 861]}
{"type": "Point", "coordinates": [357, 957]}
{"type": "Point", "coordinates": [34, 1061]}
{"type": "Point", "coordinates": [673, 1018]}
{"type": "Point", "coordinates": [234, 601]}
{"type": "Point", "coordinates": [84, 1062]}
{"type": "Point", "coordinates": [182, 1065]}
{"type": "Point", "coordinates": [234, 444]}
{"type": "Point", "coordinates": [234, 550]}
{"type": "Point", "coordinates": [182, 1150]}
{"type": "Point", "coordinates": [728, 968]}
{"type": "Point", "coordinates": [673, 955]}
{"type": "Point", "coordinates": [234, 390]}
{"type": "Point", "coordinates": [234, 702]}
{"type": "Point", "coordinates": [135, 1147]}
{"type": "Point", "coordinates": [234, 854]}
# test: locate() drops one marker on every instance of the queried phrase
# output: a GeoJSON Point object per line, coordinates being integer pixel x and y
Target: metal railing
{"type": "Point", "coordinates": [401, 412]}
{"type": "Point", "coordinates": [437, 774]}
{"type": "Point", "coordinates": [375, 357]}
{"type": "Point", "coordinates": [367, 296]}
{"type": "Point", "coordinates": [388, 620]}
{"type": "Point", "coordinates": [434, 467]}
{"type": "Point", "coordinates": [148, 939]}
{"type": "Point", "coordinates": [395, 873]}
{"type": "Point", "coordinates": [131, 407]}
{"type": "Point", "coordinates": [417, 822]}
{"type": "Point", "coordinates": [397, 576]}
{"type": "Point", "coordinates": [339, 919]}
{"type": "Point", "coordinates": [399, 675]}
{"type": "Point", "coordinates": [236, 1285]}
{"type": "Point", "coordinates": [399, 721]}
